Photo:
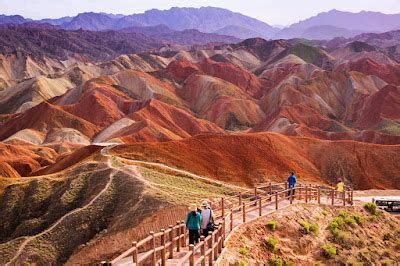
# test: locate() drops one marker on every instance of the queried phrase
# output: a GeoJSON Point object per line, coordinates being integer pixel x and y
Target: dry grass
{"type": "Point", "coordinates": [346, 235]}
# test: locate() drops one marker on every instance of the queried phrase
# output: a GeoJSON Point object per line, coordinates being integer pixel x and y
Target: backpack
{"type": "Point", "coordinates": [210, 226]}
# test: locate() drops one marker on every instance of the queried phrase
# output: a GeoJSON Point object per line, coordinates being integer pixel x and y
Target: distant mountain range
{"type": "Point", "coordinates": [323, 26]}
{"type": "Point", "coordinates": [43, 40]}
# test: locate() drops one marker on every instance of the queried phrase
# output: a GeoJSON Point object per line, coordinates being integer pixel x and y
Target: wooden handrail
{"type": "Point", "coordinates": [174, 237]}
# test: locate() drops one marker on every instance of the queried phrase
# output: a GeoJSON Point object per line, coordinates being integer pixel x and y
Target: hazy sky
{"type": "Point", "coordinates": [281, 12]}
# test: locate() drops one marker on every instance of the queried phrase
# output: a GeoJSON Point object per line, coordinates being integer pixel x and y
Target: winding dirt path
{"type": "Point", "coordinates": [30, 238]}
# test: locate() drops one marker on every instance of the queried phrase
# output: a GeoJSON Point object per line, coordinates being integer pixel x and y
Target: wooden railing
{"type": "Point", "coordinates": [157, 248]}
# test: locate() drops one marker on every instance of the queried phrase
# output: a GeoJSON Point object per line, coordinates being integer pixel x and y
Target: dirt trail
{"type": "Point", "coordinates": [29, 239]}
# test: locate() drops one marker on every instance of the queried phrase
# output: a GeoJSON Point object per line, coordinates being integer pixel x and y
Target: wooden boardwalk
{"type": "Point", "coordinates": [170, 246]}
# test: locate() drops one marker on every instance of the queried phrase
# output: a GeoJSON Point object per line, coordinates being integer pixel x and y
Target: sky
{"type": "Point", "coordinates": [274, 12]}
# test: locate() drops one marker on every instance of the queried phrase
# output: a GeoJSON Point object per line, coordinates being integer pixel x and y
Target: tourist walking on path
{"type": "Point", "coordinates": [340, 187]}
{"type": "Point", "coordinates": [292, 184]}
{"type": "Point", "coordinates": [207, 222]}
{"type": "Point", "coordinates": [193, 219]}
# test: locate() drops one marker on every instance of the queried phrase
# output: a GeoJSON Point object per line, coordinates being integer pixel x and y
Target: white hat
{"type": "Point", "coordinates": [205, 203]}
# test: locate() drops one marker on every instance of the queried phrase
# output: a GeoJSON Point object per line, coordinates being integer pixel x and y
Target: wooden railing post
{"type": "Point", "coordinates": [216, 244]}
{"type": "Point", "coordinates": [319, 195]}
{"type": "Point", "coordinates": [286, 185]}
{"type": "Point", "coordinates": [260, 207]}
{"type": "Point", "coordinates": [163, 244]}
{"type": "Point", "coordinates": [231, 220]}
{"type": "Point", "coordinates": [178, 235]}
{"type": "Point", "coordinates": [153, 246]}
{"type": "Point", "coordinates": [351, 196]}
{"type": "Point", "coordinates": [240, 199]}
{"type": "Point", "coordinates": [223, 230]}
{"type": "Point", "coordinates": [183, 239]}
{"type": "Point", "coordinates": [270, 188]}
{"type": "Point", "coordinates": [203, 250]}
{"type": "Point", "coordinates": [223, 206]}
{"type": "Point", "coordinates": [344, 196]}
{"type": "Point", "coordinates": [171, 240]}
{"type": "Point", "coordinates": [135, 253]}
{"type": "Point", "coordinates": [306, 193]}
{"type": "Point", "coordinates": [210, 246]}
{"type": "Point", "coordinates": [191, 258]}
{"type": "Point", "coordinates": [333, 196]}
{"type": "Point", "coordinates": [299, 192]}
{"type": "Point", "coordinates": [244, 212]}
{"type": "Point", "coordinates": [255, 192]}
{"type": "Point", "coordinates": [220, 240]}
{"type": "Point", "coordinates": [276, 200]}
{"type": "Point", "coordinates": [291, 194]}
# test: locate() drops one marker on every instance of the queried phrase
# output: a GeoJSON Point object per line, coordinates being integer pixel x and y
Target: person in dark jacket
{"type": "Point", "coordinates": [292, 180]}
{"type": "Point", "coordinates": [193, 219]}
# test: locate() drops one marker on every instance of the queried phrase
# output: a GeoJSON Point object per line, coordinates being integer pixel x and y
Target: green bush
{"type": "Point", "coordinates": [336, 225]}
{"type": "Point", "coordinates": [272, 243]}
{"type": "Point", "coordinates": [275, 261]}
{"type": "Point", "coordinates": [243, 251]}
{"type": "Point", "coordinates": [350, 221]}
{"type": "Point", "coordinates": [307, 228]}
{"type": "Point", "coordinates": [328, 250]}
{"type": "Point", "coordinates": [325, 212]}
{"type": "Point", "coordinates": [371, 208]}
{"type": "Point", "coordinates": [241, 263]}
{"type": "Point", "coordinates": [271, 225]}
{"type": "Point", "coordinates": [358, 218]}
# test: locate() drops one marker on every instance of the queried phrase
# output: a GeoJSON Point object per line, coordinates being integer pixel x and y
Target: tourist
{"type": "Point", "coordinates": [193, 219]}
{"type": "Point", "coordinates": [207, 223]}
{"type": "Point", "coordinates": [292, 184]}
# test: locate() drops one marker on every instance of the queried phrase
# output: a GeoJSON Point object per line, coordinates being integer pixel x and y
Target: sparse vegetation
{"type": "Point", "coordinates": [272, 244]}
{"type": "Point", "coordinates": [271, 225]}
{"type": "Point", "coordinates": [358, 218]}
{"type": "Point", "coordinates": [275, 261]}
{"type": "Point", "coordinates": [243, 251]}
{"type": "Point", "coordinates": [308, 228]}
{"type": "Point", "coordinates": [325, 212]}
{"type": "Point", "coordinates": [328, 251]}
{"type": "Point", "coordinates": [241, 263]}
{"type": "Point", "coordinates": [371, 208]}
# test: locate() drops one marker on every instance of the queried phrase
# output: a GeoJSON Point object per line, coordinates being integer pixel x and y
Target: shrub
{"type": "Point", "coordinates": [350, 221]}
{"type": "Point", "coordinates": [324, 212]}
{"type": "Point", "coordinates": [336, 225]}
{"type": "Point", "coordinates": [308, 228]}
{"type": "Point", "coordinates": [272, 244]}
{"type": "Point", "coordinates": [358, 218]}
{"type": "Point", "coordinates": [343, 214]}
{"type": "Point", "coordinates": [328, 250]}
{"type": "Point", "coordinates": [275, 261]}
{"type": "Point", "coordinates": [271, 225]}
{"type": "Point", "coordinates": [241, 263]}
{"type": "Point", "coordinates": [243, 251]}
{"type": "Point", "coordinates": [371, 208]}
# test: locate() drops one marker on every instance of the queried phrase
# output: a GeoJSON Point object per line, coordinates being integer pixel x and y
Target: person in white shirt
{"type": "Point", "coordinates": [206, 214]}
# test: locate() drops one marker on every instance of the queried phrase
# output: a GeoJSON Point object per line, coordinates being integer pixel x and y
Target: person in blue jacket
{"type": "Point", "coordinates": [292, 183]}
{"type": "Point", "coordinates": [193, 219]}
